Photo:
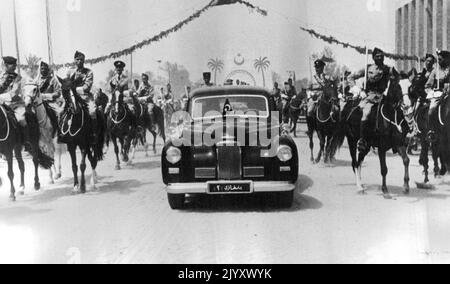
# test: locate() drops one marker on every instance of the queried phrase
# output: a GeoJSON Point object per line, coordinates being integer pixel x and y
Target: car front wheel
{"type": "Point", "coordinates": [176, 201]}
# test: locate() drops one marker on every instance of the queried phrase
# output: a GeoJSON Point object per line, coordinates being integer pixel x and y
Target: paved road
{"type": "Point", "coordinates": [129, 221]}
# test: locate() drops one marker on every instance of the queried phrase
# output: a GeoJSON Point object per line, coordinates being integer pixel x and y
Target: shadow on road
{"type": "Point", "coordinates": [11, 213]}
{"type": "Point", "coordinates": [416, 194]}
{"type": "Point", "coordinates": [261, 203]}
{"type": "Point", "coordinates": [146, 165]}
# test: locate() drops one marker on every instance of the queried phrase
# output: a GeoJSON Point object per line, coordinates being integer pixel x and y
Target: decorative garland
{"type": "Point", "coordinates": [165, 33]}
{"type": "Point", "coordinates": [360, 49]}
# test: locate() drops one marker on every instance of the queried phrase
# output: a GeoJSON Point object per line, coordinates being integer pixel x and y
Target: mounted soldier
{"type": "Point", "coordinates": [436, 86]}
{"type": "Point", "coordinates": [10, 91]}
{"type": "Point", "coordinates": [378, 75]}
{"type": "Point", "coordinates": [321, 83]}
{"type": "Point", "coordinates": [49, 86]}
{"type": "Point", "coordinates": [146, 91]}
{"type": "Point", "coordinates": [82, 79]}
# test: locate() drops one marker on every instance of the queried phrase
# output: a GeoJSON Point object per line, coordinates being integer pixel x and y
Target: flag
{"type": "Point", "coordinates": [374, 5]}
{"type": "Point", "coordinates": [73, 5]}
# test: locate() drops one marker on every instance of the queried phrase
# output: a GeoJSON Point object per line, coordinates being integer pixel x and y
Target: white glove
{"type": "Point", "coordinates": [80, 91]}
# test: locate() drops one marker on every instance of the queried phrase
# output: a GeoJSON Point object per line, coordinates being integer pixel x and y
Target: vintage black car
{"type": "Point", "coordinates": [231, 143]}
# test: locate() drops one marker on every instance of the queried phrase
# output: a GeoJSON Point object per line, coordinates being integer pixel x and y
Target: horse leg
{"type": "Point", "coordinates": [116, 150]}
{"type": "Point", "coordinates": [384, 172]}
{"type": "Point", "coordinates": [311, 144]}
{"type": "Point", "coordinates": [435, 154]}
{"type": "Point", "coordinates": [58, 156]}
{"type": "Point", "coordinates": [328, 150]}
{"type": "Point", "coordinates": [37, 184]}
{"type": "Point", "coordinates": [94, 177]}
{"type": "Point", "coordinates": [424, 160]}
{"type": "Point", "coordinates": [83, 171]}
{"type": "Point", "coordinates": [155, 136]}
{"type": "Point", "coordinates": [73, 157]}
{"type": "Point", "coordinates": [322, 146]}
{"type": "Point", "coordinates": [403, 153]}
{"type": "Point", "coordinates": [359, 162]}
{"type": "Point", "coordinates": [9, 159]}
{"type": "Point", "coordinates": [19, 158]}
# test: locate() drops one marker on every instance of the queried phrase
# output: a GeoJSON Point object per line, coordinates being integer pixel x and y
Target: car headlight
{"type": "Point", "coordinates": [284, 153]}
{"type": "Point", "coordinates": [173, 155]}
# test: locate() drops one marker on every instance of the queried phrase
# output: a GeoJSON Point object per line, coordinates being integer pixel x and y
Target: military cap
{"type": "Point", "coordinates": [319, 63]}
{"type": "Point", "coordinates": [119, 64]}
{"type": "Point", "coordinates": [79, 55]}
{"type": "Point", "coordinates": [9, 60]}
{"type": "Point", "coordinates": [377, 51]}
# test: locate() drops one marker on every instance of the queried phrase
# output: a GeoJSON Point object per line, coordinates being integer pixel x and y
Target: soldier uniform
{"type": "Point", "coordinates": [10, 92]}
{"type": "Point", "coordinates": [49, 87]}
{"type": "Point", "coordinates": [378, 77]}
{"type": "Point", "coordinates": [317, 87]}
{"type": "Point", "coordinates": [82, 79]}
{"type": "Point", "coordinates": [435, 94]}
{"type": "Point", "coordinates": [146, 90]}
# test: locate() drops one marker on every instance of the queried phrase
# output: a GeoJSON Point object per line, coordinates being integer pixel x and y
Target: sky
{"type": "Point", "coordinates": [104, 26]}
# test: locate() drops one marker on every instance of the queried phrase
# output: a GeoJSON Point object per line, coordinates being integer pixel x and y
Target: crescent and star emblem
{"type": "Point", "coordinates": [239, 60]}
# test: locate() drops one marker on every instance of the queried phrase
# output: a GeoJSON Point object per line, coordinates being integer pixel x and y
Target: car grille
{"type": "Point", "coordinates": [253, 172]}
{"type": "Point", "coordinates": [229, 162]}
{"type": "Point", "coordinates": [202, 173]}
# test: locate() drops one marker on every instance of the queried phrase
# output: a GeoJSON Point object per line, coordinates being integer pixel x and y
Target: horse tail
{"type": "Point", "coordinates": [51, 113]}
{"type": "Point", "coordinates": [339, 134]}
{"type": "Point", "coordinates": [45, 161]}
{"type": "Point", "coordinates": [31, 141]}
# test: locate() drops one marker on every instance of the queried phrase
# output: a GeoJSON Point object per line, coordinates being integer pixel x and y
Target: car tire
{"type": "Point", "coordinates": [176, 201]}
{"type": "Point", "coordinates": [285, 199]}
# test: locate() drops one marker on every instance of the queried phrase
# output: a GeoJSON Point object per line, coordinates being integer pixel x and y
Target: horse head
{"type": "Point", "coordinates": [68, 93]}
{"type": "Point", "coordinates": [31, 94]}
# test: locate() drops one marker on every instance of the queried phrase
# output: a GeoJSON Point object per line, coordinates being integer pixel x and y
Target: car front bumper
{"type": "Point", "coordinates": [257, 187]}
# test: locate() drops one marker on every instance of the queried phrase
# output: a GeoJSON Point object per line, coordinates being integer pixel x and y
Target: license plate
{"type": "Point", "coordinates": [229, 188]}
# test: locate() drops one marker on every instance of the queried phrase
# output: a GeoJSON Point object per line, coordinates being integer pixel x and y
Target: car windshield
{"type": "Point", "coordinates": [230, 105]}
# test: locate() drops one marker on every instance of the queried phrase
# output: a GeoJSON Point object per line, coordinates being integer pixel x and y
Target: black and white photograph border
{"type": "Point", "coordinates": [224, 132]}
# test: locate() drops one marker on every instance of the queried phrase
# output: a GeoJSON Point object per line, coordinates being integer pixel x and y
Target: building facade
{"type": "Point", "coordinates": [422, 26]}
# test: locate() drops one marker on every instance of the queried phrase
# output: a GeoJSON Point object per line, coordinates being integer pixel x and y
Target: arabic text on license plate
{"type": "Point", "coordinates": [230, 188]}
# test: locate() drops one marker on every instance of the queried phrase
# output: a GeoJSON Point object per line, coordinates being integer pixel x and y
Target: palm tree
{"type": "Point", "coordinates": [262, 64]}
{"type": "Point", "coordinates": [216, 65]}
{"type": "Point", "coordinates": [32, 66]}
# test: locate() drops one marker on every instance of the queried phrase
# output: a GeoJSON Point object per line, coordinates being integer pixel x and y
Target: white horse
{"type": "Point", "coordinates": [48, 127]}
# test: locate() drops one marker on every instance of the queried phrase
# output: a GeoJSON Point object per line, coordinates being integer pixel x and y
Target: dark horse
{"type": "Point", "coordinates": [441, 143]}
{"type": "Point", "coordinates": [324, 121]}
{"type": "Point", "coordinates": [151, 118]}
{"type": "Point", "coordinates": [156, 126]}
{"type": "Point", "coordinates": [13, 137]}
{"type": "Point", "coordinates": [75, 130]}
{"type": "Point", "coordinates": [388, 131]}
{"type": "Point", "coordinates": [296, 107]}
{"type": "Point", "coordinates": [121, 125]}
